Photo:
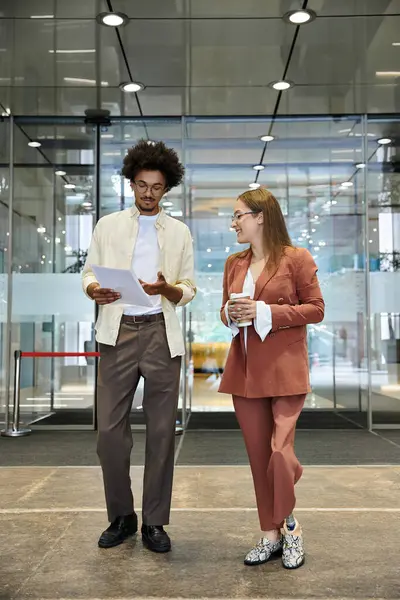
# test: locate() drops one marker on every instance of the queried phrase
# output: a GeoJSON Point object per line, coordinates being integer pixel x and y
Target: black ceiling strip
{"type": "Point", "coordinates": [279, 97]}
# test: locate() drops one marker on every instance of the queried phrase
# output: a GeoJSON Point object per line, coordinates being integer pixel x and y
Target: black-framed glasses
{"type": "Point", "coordinates": [238, 216]}
{"type": "Point", "coordinates": [157, 188]}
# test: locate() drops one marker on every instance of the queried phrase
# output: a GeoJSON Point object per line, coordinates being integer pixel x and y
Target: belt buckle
{"type": "Point", "coordinates": [139, 318]}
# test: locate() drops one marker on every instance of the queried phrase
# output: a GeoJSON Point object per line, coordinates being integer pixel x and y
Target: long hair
{"type": "Point", "coordinates": [275, 234]}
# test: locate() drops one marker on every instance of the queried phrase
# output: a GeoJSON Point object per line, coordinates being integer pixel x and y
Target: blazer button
{"type": "Point", "coordinates": [280, 301]}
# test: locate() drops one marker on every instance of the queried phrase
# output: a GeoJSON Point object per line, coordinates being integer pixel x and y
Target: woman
{"type": "Point", "coordinates": [267, 366]}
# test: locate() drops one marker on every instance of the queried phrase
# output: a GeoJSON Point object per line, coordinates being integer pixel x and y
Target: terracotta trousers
{"type": "Point", "coordinates": [268, 426]}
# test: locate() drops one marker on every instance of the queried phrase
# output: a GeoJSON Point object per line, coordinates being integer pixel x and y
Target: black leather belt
{"type": "Point", "coordinates": [142, 318]}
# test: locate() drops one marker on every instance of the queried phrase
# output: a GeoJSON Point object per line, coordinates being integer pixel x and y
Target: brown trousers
{"type": "Point", "coordinates": [268, 426]}
{"type": "Point", "coordinates": [141, 350]}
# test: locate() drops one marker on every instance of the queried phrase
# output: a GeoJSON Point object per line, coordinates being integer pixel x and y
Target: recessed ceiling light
{"type": "Point", "coordinates": [34, 144]}
{"type": "Point", "coordinates": [112, 19]}
{"type": "Point", "coordinates": [299, 17]}
{"type": "Point", "coordinates": [384, 141]}
{"type": "Point", "coordinates": [267, 138]}
{"type": "Point", "coordinates": [280, 86]}
{"type": "Point", "coordinates": [69, 186]}
{"type": "Point", "coordinates": [60, 173]}
{"type": "Point", "coordinates": [259, 167]}
{"type": "Point", "coordinates": [167, 204]}
{"type": "Point", "coordinates": [87, 204]}
{"type": "Point", "coordinates": [347, 184]}
{"type": "Point", "coordinates": [254, 186]}
{"type": "Point", "coordinates": [131, 86]}
{"type": "Point", "coordinates": [360, 166]}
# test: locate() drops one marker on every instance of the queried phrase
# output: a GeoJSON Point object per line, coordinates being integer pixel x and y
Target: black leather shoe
{"type": "Point", "coordinates": [155, 538]}
{"type": "Point", "coordinates": [119, 531]}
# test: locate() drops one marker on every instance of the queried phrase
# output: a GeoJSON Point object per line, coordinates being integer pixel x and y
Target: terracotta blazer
{"type": "Point", "coordinates": [279, 365]}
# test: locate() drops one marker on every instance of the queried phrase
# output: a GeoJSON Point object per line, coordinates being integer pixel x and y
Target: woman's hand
{"type": "Point", "coordinates": [242, 309]}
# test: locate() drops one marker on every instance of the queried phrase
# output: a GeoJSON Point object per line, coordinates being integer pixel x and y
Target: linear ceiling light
{"type": "Point", "coordinates": [88, 51]}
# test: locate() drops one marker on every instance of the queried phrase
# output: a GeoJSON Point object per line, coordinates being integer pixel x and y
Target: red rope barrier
{"type": "Point", "coordinates": [58, 354]}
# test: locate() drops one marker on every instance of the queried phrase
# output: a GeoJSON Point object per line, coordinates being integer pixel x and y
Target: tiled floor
{"type": "Point", "coordinates": [51, 517]}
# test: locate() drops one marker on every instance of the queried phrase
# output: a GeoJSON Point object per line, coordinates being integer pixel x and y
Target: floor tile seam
{"type": "Point", "coordinates": [236, 509]}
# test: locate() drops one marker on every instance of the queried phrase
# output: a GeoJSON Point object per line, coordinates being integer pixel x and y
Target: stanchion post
{"type": "Point", "coordinates": [14, 430]}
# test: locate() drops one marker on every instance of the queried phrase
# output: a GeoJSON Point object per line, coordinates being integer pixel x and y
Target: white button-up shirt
{"type": "Point", "coordinates": [113, 244]}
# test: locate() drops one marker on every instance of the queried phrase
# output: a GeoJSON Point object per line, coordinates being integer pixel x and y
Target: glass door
{"type": "Point", "coordinates": [313, 167]}
{"type": "Point", "coordinates": [53, 211]}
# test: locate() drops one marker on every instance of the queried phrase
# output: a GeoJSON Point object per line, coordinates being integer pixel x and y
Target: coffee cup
{"type": "Point", "coordinates": [236, 297]}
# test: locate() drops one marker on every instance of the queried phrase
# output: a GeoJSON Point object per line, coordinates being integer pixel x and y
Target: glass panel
{"type": "Point", "coordinates": [51, 232]}
{"type": "Point", "coordinates": [306, 164]}
{"type": "Point", "coordinates": [170, 9]}
{"type": "Point", "coordinates": [384, 249]}
{"type": "Point", "coordinates": [4, 256]}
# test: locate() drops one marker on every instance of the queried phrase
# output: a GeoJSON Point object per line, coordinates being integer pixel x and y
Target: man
{"type": "Point", "coordinates": [139, 342]}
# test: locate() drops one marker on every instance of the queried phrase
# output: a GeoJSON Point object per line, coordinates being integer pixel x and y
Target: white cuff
{"type": "Point", "coordinates": [263, 320]}
{"type": "Point", "coordinates": [231, 324]}
{"type": "Point", "coordinates": [187, 296]}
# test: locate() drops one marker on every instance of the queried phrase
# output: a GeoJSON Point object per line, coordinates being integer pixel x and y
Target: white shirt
{"type": "Point", "coordinates": [263, 321]}
{"type": "Point", "coordinates": [112, 245]}
{"type": "Point", "coordinates": [146, 262]}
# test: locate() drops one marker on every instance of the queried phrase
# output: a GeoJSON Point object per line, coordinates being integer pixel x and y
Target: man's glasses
{"type": "Point", "coordinates": [157, 188]}
{"type": "Point", "coordinates": [238, 216]}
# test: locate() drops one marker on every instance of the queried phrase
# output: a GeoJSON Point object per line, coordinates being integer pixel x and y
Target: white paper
{"type": "Point", "coordinates": [125, 283]}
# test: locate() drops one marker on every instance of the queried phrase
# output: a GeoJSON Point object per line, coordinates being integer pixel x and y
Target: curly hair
{"type": "Point", "coordinates": [153, 156]}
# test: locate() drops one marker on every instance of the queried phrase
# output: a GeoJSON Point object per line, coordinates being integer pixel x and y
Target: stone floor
{"type": "Point", "coordinates": [51, 517]}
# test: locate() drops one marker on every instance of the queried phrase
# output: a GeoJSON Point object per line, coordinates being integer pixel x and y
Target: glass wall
{"type": "Point", "coordinates": [310, 167]}
{"type": "Point", "coordinates": [53, 213]}
{"type": "Point", "coordinates": [4, 256]}
{"type": "Point", "coordinates": [337, 188]}
{"type": "Point", "coordinates": [383, 233]}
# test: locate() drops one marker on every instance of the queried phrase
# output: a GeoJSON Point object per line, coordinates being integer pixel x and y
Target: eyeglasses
{"type": "Point", "coordinates": [238, 216]}
{"type": "Point", "coordinates": [156, 189]}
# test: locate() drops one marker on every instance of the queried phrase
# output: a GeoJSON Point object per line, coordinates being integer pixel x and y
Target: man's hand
{"type": "Point", "coordinates": [102, 295]}
{"type": "Point", "coordinates": [155, 289]}
{"type": "Point", "coordinates": [162, 288]}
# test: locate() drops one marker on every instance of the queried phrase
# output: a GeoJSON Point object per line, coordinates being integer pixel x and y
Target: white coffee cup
{"type": "Point", "coordinates": [236, 297]}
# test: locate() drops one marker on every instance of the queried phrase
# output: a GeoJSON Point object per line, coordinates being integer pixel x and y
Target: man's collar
{"type": "Point", "coordinates": [160, 219]}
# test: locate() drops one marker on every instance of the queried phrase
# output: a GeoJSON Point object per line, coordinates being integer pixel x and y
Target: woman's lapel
{"type": "Point", "coordinates": [241, 267]}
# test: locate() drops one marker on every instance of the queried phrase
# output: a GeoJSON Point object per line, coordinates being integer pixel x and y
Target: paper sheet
{"type": "Point", "coordinates": [125, 283]}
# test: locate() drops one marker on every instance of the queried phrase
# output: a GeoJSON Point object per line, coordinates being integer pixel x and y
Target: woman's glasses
{"type": "Point", "coordinates": [238, 216]}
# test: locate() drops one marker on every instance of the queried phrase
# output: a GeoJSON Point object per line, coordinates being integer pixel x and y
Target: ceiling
{"type": "Point", "coordinates": [199, 57]}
